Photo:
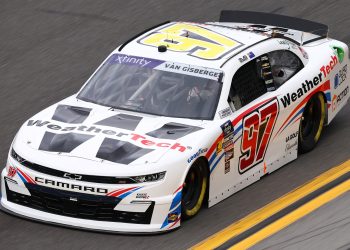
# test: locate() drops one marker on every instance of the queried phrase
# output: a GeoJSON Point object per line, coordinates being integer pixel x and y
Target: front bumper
{"type": "Point", "coordinates": [26, 195]}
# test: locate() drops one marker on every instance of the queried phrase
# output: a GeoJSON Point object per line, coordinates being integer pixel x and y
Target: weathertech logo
{"type": "Point", "coordinates": [308, 85]}
{"type": "Point", "coordinates": [96, 130]}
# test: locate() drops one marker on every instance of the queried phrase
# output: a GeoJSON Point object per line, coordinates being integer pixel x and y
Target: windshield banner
{"type": "Point", "coordinates": [179, 68]}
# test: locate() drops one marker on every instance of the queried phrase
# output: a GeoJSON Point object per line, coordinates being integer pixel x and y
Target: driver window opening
{"type": "Point", "coordinates": [265, 73]}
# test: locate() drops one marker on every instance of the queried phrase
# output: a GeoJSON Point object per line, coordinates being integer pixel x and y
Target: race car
{"type": "Point", "coordinates": [179, 117]}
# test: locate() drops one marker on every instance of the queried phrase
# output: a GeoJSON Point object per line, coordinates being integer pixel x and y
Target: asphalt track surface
{"type": "Point", "coordinates": [49, 48]}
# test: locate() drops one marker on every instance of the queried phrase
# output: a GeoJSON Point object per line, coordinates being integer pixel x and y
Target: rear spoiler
{"type": "Point", "coordinates": [319, 30]}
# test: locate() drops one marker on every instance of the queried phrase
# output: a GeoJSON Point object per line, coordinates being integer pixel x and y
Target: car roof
{"type": "Point", "coordinates": [205, 44]}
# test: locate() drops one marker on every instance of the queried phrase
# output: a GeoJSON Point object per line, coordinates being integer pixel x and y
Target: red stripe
{"type": "Point", "coordinates": [234, 122]}
{"type": "Point", "coordinates": [30, 180]}
{"type": "Point", "coordinates": [110, 193]}
{"type": "Point", "coordinates": [178, 188]}
{"type": "Point", "coordinates": [121, 192]}
{"type": "Point", "coordinates": [297, 120]}
{"type": "Point", "coordinates": [177, 220]}
{"type": "Point", "coordinates": [323, 87]}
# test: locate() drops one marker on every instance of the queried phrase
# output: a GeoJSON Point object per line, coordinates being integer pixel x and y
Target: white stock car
{"type": "Point", "coordinates": [182, 115]}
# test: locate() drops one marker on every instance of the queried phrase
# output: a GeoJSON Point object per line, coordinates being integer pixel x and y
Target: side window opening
{"type": "Point", "coordinates": [247, 85]}
{"type": "Point", "coordinates": [265, 73]}
{"type": "Point", "coordinates": [284, 65]}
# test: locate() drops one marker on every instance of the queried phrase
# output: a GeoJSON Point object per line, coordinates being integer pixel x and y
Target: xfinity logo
{"type": "Point", "coordinates": [72, 176]}
{"type": "Point", "coordinates": [133, 60]}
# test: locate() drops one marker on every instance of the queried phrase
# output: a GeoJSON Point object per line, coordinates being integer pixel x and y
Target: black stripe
{"type": "Point", "coordinates": [123, 121]}
{"type": "Point", "coordinates": [70, 114]}
{"type": "Point", "coordinates": [63, 143]}
{"type": "Point", "coordinates": [120, 151]}
{"type": "Point", "coordinates": [173, 131]}
{"type": "Point", "coordinates": [284, 212]}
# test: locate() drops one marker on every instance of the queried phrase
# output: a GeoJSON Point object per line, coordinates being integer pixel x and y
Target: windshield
{"type": "Point", "coordinates": [155, 87]}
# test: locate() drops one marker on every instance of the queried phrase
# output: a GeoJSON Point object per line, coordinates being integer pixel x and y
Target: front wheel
{"type": "Point", "coordinates": [194, 189]}
{"type": "Point", "coordinates": [311, 124]}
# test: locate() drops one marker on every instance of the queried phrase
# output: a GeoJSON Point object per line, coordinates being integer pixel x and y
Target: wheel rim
{"type": "Point", "coordinates": [311, 120]}
{"type": "Point", "coordinates": [192, 188]}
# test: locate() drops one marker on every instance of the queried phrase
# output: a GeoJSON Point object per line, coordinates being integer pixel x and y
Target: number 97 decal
{"type": "Point", "coordinates": [257, 129]}
{"type": "Point", "coordinates": [197, 41]}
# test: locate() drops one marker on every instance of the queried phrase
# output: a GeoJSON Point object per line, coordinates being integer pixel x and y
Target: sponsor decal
{"type": "Point", "coordinates": [172, 217]}
{"type": "Point", "coordinates": [339, 52]}
{"type": "Point", "coordinates": [303, 52]}
{"type": "Point", "coordinates": [229, 154]}
{"type": "Point", "coordinates": [191, 70]}
{"type": "Point", "coordinates": [339, 98]}
{"type": "Point", "coordinates": [98, 130]}
{"type": "Point", "coordinates": [134, 60]}
{"type": "Point", "coordinates": [73, 187]}
{"type": "Point", "coordinates": [257, 130]}
{"type": "Point", "coordinates": [292, 136]}
{"type": "Point", "coordinates": [227, 128]}
{"type": "Point", "coordinates": [175, 210]}
{"type": "Point", "coordinates": [329, 67]}
{"type": "Point", "coordinates": [288, 43]}
{"type": "Point", "coordinates": [11, 172]}
{"type": "Point", "coordinates": [143, 196]}
{"type": "Point", "coordinates": [193, 39]}
{"type": "Point", "coordinates": [198, 153]}
{"type": "Point", "coordinates": [340, 77]}
{"type": "Point", "coordinates": [244, 58]}
{"type": "Point", "coordinates": [251, 55]}
{"type": "Point", "coordinates": [290, 146]}
{"type": "Point", "coordinates": [218, 147]}
{"type": "Point", "coordinates": [228, 144]}
{"type": "Point", "coordinates": [227, 167]}
{"type": "Point", "coordinates": [308, 85]}
{"type": "Point", "coordinates": [225, 112]}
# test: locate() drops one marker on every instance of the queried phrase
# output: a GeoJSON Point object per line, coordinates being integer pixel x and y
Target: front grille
{"type": "Point", "coordinates": [77, 205]}
{"type": "Point", "coordinates": [82, 177]}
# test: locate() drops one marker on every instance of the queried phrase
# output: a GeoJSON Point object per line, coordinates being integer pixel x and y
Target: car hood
{"type": "Point", "coordinates": [79, 129]}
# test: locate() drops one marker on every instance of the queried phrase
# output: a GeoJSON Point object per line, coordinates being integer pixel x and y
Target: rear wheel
{"type": "Point", "coordinates": [311, 124]}
{"type": "Point", "coordinates": [194, 189]}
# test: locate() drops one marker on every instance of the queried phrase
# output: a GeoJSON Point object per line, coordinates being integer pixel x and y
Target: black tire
{"type": "Point", "coordinates": [311, 123]}
{"type": "Point", "coordinates": [194, 189]}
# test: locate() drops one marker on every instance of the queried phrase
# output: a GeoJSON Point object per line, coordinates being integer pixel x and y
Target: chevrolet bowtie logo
{"type": "Point", "coordinates": [72, 176]}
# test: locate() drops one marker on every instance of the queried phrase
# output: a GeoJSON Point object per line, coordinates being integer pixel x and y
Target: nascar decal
{"type": "Point", "coordinates": [215, 152]}
{"type": "Point", "coordinates": [195, 40]}
{"type": "Point", "coordinates": [257, 129]}
{"type": "Point", "coordinates": [174, 214]}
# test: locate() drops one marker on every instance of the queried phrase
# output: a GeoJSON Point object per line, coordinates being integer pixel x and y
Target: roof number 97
{"type": "Point", "coordinates": [195, 40]}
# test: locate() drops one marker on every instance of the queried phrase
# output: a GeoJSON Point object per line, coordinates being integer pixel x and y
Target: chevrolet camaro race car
{"type": "Point", "coordinates": [181, 116]}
